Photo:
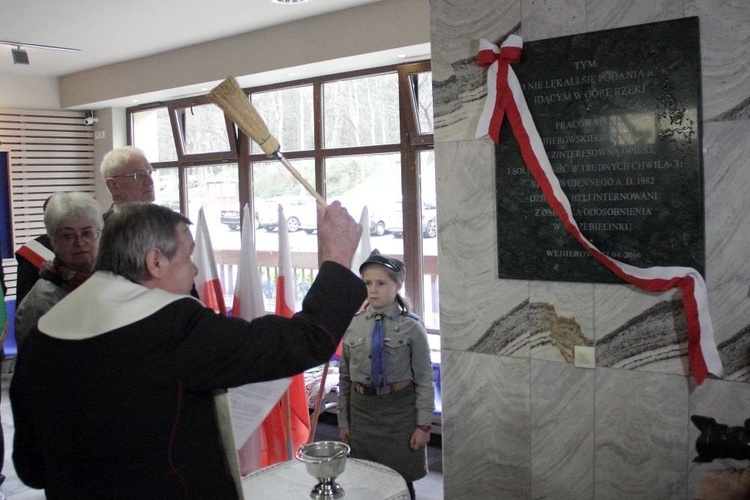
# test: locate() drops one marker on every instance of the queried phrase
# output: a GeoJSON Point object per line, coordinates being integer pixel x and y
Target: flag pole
{"type": "Point", "coordinates": [288, 424]}
{"type": "Point", "coordinates": [318, 403]}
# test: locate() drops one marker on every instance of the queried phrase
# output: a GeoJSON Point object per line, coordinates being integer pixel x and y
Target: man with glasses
{"type": "Point", "coordinates": [127, 173]}
{"type": "Point", "coordinates": [112, 394]}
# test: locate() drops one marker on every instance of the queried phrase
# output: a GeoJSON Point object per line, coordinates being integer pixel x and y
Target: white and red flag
{"type": "Point", "coordinates": [291, 417]}
{"type": "Point", "coordinates": [364, 248]}
{"type": "Point", "coordinates": [248, 293]}
{"type": "Point", "coordinates": [505, 99]}
{"type": "Point", "coordinates": [251, 403]}
{"type": "Point", "coordinates": [210, 292]}
{"type": "Point", "coordinates": [360, 255]}
{"type": "Point", "coordinates": [207, 282]}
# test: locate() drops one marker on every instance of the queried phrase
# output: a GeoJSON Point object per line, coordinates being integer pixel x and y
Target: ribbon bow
{"type": "Point", "coordinates": [499, 95]}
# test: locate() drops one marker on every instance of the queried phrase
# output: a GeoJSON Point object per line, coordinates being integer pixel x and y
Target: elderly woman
{"type": "Point", "coordinates": [73, 222]}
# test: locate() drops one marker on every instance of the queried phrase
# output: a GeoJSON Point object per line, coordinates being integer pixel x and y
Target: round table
{"type": "Point", "coordinates": [361, 480]}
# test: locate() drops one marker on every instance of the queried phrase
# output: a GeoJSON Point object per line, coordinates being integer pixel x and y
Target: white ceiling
{"type": "Point", "coordinates": [111, 31]}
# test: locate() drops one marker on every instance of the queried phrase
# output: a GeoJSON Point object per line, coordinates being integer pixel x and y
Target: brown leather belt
{"type": "Point", "coordinates": [369, 390]}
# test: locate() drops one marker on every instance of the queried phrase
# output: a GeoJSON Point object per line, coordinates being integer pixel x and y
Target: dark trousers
{"type": "Point", "coordinates": [412, 493]}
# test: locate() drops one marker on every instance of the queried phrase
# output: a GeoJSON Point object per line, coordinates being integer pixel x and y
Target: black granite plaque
{"type": "Point", "coordinates": [619, 113]}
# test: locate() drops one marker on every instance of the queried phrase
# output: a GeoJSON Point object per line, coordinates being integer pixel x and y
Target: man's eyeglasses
{"type": "Point", "coordinates": [87, 236]}
{"type": "Point", "coordinates": [138, 175]}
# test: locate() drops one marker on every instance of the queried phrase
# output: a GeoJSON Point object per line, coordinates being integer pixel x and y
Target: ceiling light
{"type": "Point", "coordinates": [20, 56]}
{"type": "Point", "coordinates": [289, 2]}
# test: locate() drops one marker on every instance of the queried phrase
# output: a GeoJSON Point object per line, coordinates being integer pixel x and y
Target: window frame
{"type": "Point", "coordinates": [410, 144]}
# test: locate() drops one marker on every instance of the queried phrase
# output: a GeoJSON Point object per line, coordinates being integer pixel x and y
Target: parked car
{"type": "Point", "coordinates": [230, 218]}
{"type": "Point", "coordinates": [395, 223]}
{"type": "Point", "coordinates": [377, 210]}
{"type": "Point", "coordinates": [377, 227]}
{"type": "Point", "coordinates": [300, 211]}
{"type": "Point", "coordinates": [378, 220]}
{"type": "Point", "coordinates": [171, 204]}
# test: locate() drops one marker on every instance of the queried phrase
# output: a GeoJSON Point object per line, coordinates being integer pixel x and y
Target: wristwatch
{"type": "Point", "coordinates": [425, 428]}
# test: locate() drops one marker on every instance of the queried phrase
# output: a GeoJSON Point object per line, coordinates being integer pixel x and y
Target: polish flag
{"type": "Point", "coordinates": [364, 248]}
{"type": "Point", "coordinates": [360, 255]}
{"type": "Point", "coordinates": [248, 305]}
{"type": "Point", "coordinates": [207, 282]}
{"type": "Point", "coordinates": [248, 293]}
{"type": "Point", "coordinates": [290, 418]}
{"type": "Point", "coordinates": [209, 290]}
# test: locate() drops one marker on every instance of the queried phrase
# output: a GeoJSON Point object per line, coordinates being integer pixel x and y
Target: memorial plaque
{"type": "Point", "coordinates": [619, 114]}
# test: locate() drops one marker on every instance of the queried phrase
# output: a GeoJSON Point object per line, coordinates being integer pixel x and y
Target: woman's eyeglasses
{"type": "Point", "coordinates": [138, 175]}
{"type": "Point", "coordinates": [87, 236]}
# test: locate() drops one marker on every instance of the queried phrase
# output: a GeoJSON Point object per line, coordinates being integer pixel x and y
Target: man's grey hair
{"type": "Point", "coordinates": [131, 233]}
{"type": "Point", "coordinates": [63, 205]}
{"type": "Point", "coordinates": [118, 158]}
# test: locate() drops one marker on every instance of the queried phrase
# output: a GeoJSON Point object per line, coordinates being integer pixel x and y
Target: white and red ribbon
{"type": "Point", "coordinates": [36, 253]}
{"type": "Point", "coordinates": [505, 98]}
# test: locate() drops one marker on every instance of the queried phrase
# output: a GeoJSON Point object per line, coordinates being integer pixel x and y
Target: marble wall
{"type": "Point", "coordinates": [519, 419]}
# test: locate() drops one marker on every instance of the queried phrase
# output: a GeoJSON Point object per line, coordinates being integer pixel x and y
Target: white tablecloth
{"type": "Point", "coordinates": [361, 480]}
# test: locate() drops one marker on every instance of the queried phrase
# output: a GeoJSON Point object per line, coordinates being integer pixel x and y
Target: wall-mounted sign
{"type": "Point", "coordinates": [619, 113]}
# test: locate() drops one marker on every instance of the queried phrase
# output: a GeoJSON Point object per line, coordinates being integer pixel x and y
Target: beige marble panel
{"type": "Point", "coordinates": [729, 404]}
{"type": "Point", "coordinates": [562, 431]}
{"type": "Point", "coordinates": [471, 295]}
{"type": "Point", "coordinates": [518, 428]}
{"type": "Point", "coordinates": [546, 19]}
{"type": "Point", "coordinates": [458, 83]}
{"type": "Point", "coordinates": [486, 430]}
{"type": "Point", "coordinates": [569, 319]}
{"type": "Point", "coordinates": [726, 153]}
{"type": "Point", "coordinates": [640, 435]}
{"type": "Point", "coordinates": [725, 52]}
{"type": "Point", "coordinates": [608, 14]}
{"type": "Point", "coordinates": [640, 330]}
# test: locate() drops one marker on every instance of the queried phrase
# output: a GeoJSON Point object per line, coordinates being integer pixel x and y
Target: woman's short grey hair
{"type": "Point", "coordinates": [131, 233]}
{"type": "Point", "coordinates": [118, 158]}
{"type": "Point", "coordinates": [64, 205]}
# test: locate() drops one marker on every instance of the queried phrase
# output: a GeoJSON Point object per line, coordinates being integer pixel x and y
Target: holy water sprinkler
{"type": "Point", "coordinates": [229, 96]}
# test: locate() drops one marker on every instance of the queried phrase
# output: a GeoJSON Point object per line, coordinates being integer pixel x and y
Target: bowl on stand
{"type": "Point", "coordinates": [325, 461]}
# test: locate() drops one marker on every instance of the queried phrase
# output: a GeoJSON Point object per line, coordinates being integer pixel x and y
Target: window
{"type": "Point", "coordinates": [429, 238]}
{"type": "Point", "coordinates": [421, 84]}
{"type": "Point", "coordinates": [364, 138]}
{"type": "Point", "coordinates": [203, 129]}
{"type": "Point", "coordinates": [361, 111]}
{"type": "Point", "coordinates": [152, 132]}
{"type": "Point", "coordinates": [373, 181]}
{"type": "Point", "coordinates": [289, 113]}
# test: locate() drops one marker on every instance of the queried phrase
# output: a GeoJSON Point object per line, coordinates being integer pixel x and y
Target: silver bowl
{"type": "Point", "coordinates": [325, 461]}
